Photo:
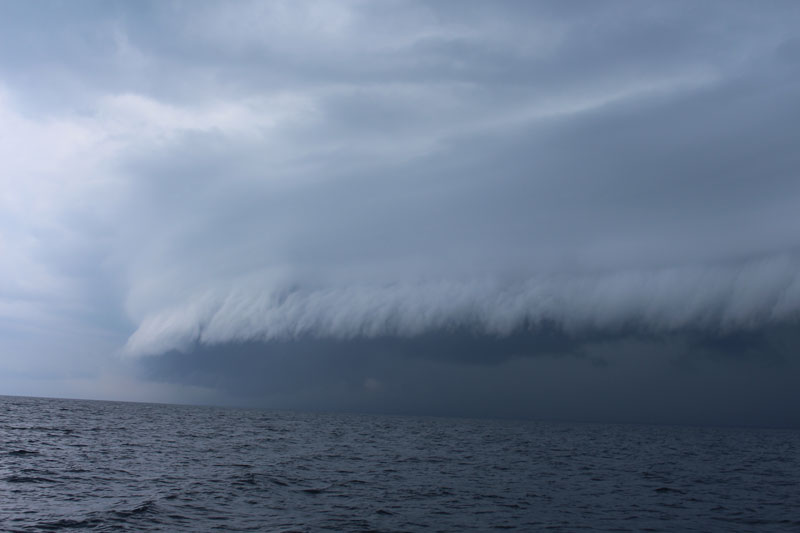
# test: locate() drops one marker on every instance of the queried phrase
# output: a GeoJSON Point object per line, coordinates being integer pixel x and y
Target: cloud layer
{"type": "Point", "coordinates": [179, 175]}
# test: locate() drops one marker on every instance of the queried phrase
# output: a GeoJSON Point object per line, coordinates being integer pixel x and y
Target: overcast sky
{"type": "Point", "coordinates": [581, 210]}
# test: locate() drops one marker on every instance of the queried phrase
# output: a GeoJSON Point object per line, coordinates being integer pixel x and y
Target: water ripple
{"type": "Point", "coordinates": [106, 466]}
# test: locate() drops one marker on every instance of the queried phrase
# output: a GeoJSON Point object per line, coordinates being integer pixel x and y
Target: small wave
{"type": "Point", "coordinates": [67, 523]}
{"type": "Point", "coordinates": [28, 479]}
{"type": "Point", "coordinates": [315, 490]}
{"type": "Point", "coordinates": [23, 453]}
{"type": "Point", "coordinates": [352, 482]}
{"type": "Point", "coordinates": [148, 506]}
{"type": "Point", "coordinates": [662, 490]}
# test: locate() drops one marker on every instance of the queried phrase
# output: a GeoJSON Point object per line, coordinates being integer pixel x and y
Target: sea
{"type": "Point", "coordinates": [115, 466]}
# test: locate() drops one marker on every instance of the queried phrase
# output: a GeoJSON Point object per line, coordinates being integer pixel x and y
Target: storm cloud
{"type": "Point", "coordinates": [205, 195]}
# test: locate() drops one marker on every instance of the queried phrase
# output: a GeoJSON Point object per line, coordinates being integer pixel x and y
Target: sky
{"type": "Point", "coordinates": [556, 210]}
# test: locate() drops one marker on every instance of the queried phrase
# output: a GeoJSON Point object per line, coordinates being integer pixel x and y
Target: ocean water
{"type": "Point", "coordinates": [109, 466]}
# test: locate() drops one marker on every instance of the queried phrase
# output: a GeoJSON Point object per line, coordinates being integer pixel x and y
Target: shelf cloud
{"type": "Point", "coordinates": [716, 300]}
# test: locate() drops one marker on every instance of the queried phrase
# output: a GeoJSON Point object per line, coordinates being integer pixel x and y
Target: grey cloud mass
{"type": "Point", "coordinates": [203, 199]}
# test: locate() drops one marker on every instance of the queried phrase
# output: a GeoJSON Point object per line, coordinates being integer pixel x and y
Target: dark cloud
{"type": "Point", "coordinates": [701, 378]}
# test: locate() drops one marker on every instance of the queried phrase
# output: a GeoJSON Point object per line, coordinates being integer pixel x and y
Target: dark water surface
{"type": "Point", "coordinates": [108, 466]}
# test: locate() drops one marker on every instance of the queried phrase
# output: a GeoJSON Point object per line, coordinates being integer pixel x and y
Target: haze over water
{"type": "Point", "coordinates": [108, 466]}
